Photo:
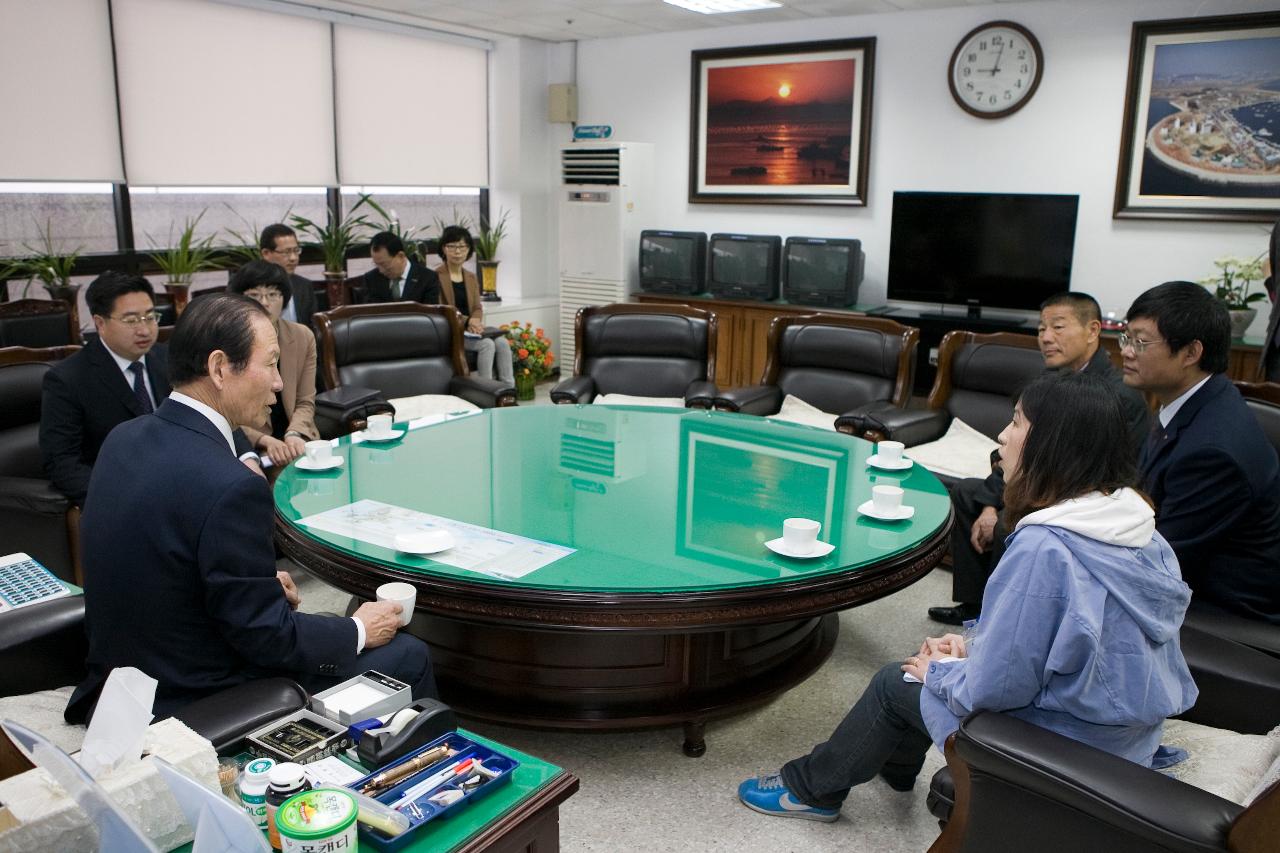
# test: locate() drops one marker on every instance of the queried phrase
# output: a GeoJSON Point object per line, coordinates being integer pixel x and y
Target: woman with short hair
{"type": "Point", "coordinates": [460, 289]}
{"type": "Point", "coordinates": [1079, 626]}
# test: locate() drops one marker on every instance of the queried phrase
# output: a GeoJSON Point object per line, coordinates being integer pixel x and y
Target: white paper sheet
{"type": "Point", "coordinates": [477, 549]}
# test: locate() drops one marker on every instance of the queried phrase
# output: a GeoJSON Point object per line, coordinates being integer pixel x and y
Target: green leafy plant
{"type": "Point", "coordinates": [530, 350]}
{"type": "Point", "coordinates": [335, 239]}
{"type": "Point", "coordinates": [242, 246]}
{"type": "Point", "coordinates": [1233, 280]}
{"type": "Point", "coordinates": [45, 262]}
{"type": "Point", "coordinates": [491, 236]}
{"type": "Point", "coordinates": [186, 256]}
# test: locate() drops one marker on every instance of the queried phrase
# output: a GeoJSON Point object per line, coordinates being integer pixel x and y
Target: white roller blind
{"type": "Point", "coordinates": [223, 95]}
{"type": "Point", "coordinates": [410, 110]}
{"type": "Point", "coordinates": [57, 92]}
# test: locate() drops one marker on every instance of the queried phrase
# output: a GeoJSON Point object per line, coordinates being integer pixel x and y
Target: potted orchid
{"type": "Point", "coordinates": [1232, 283]}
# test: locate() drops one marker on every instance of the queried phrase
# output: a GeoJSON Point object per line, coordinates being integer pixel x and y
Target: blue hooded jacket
{"type": "Point", "coordinates": [1079, 632]}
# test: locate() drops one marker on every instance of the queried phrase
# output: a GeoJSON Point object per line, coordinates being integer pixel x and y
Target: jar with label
{"type": "Point", "coordinates": [253, 789]}
{"type": "Point", "coordinates": [318, 820]}
{"type": "Point", "coordinates": [286, 779]}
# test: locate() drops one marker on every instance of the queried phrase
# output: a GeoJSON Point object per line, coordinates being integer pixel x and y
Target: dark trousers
{"type": "Point", "coordinates": [882, 733]}
{"type": "Point", "coordinates": [405, 658]}
{"type": "Point", "coordinates": [970, 569]}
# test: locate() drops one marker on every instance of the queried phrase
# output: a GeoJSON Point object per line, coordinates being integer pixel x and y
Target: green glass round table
{"type": "Point", "coordinates": [612, 569]}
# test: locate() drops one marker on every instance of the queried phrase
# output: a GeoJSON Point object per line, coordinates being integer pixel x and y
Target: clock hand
{"type": "Point", "coordinates": [996, 69]}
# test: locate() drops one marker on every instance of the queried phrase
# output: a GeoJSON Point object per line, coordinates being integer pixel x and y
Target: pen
{"type": "Point", "coordinates": [433, 781]}
{"type": "Point", "coordinates": [387, 778]}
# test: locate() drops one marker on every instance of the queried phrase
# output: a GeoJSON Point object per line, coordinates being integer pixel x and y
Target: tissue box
{"type": "Point", "coordinates": [38, 815]}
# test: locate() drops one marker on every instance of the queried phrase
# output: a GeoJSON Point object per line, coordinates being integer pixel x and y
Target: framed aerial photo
{"type": "Point", "coordinates": [782, 124]}
{"type": "Point", "coordinates": [1201, 134]}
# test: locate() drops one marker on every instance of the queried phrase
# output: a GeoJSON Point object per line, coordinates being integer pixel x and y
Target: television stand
{"type": "Point", "coordinates": [984, 324]}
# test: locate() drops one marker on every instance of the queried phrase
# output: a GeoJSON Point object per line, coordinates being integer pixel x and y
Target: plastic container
{"type": "Point", "coordinates": [286, 779]}
{"type": "Point", "coordinates": [317, 820]}
{"type": "Point", "coordinates": [253, 789]}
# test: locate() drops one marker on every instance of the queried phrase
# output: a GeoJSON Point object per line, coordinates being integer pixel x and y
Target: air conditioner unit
{"type": "Point", "coordinates": [605, 201]}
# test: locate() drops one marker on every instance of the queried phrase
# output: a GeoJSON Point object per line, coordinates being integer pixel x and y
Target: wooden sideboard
{"type": "Point", "coordinates": [743, 341]}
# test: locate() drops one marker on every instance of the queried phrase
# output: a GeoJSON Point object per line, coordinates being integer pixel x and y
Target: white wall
{"type": "Point", "coordinates": [1066, 140]}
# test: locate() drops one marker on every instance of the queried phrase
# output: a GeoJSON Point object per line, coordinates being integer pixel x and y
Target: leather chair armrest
{"type": "Point", "coordinates": [1253, 633]}
{"type": "Point", "coordinates": [878, 421]}
{"type": "Point", "coordinates": [1239, 686]}
{"type": "Point", "coordinates": [751, 400]}
{"type": "Point", "coordinates": [577, 389]}
{"type": "Point", "coordinates": [1068, 778]}
{"type": "Point", "coordinates": [336, 417]}
{"type": "Point", "coordinates": [32, 497]}
{"type": "Point", "coordinates": [700, 395]}
{"type": "Point", "coordinates": [485, 393]}
{"type": "Point", "coordinates": [50, 633]}
{"type": "Point", "coordinates": [228, 715]}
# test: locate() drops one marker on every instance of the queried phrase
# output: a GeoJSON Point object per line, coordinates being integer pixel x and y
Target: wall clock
{"type": "Point", "coordinates": [995, 69]}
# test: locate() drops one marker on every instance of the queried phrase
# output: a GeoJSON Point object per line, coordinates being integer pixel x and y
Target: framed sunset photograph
{"type": "Point", "coordinates": [782, 124]}
{"type": "Point", "coordinates": [1201, 133]}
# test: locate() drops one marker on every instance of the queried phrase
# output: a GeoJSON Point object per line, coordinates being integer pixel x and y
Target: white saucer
{"type": "Point", "coordinates": [424, 541]}
{"type": "Point", "coordinates": [902, 464]}
{"type": "Point", "coordinates": [307, 465]}
{"type": "Point", "coordinates": [869, 509]}
{"type": "Point", "coordinates": [391, 436]}
{"type": "Point", "coordinates": [820, 549]}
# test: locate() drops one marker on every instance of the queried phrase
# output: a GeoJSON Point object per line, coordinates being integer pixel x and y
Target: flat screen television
{"type": "Point", "coordinates": [673, 261]}
{"type": "Point", "coordinates": [998, 250]}
{"type": "Point", "coordinates": [743, 266]}
{"type": "Point", "coordinates": [821, 271]}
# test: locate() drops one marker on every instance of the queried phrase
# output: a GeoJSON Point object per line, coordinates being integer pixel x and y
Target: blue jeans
{"type": "Point", "coordinates": [883, 733]}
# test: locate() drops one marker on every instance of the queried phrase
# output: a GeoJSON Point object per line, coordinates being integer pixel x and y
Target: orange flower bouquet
{"type": "Point", "coordinates": [531, 356]}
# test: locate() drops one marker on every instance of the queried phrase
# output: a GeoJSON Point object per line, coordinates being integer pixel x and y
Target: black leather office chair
{"type": "Point", "coordinates": [642, 350]}
{"type": "Point", "coordinates": [835, 363]}
{"type": "Point", "coordinates": [1012, 786]}
{"type": "Point", "coordinates": [34, 516]}
{"type": "Point", "coordinates": [37, 323]}
{"type": "Point", "coordinates": [979, 379]}
{"type": "Point", "coordinates": [396, 349]}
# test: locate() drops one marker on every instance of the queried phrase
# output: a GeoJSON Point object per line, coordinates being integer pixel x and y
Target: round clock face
{"type": "Point", "coordinates": [995, 69]}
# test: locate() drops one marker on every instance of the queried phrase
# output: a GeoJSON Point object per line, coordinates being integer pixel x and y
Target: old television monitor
{"type": "Point", "coordinates": [743, 266]}
{"type": "Point", "coordinates": [821, 271]}
{"type": "Point", "coordinates": [673, 261]}
{"type": "Point", "coordinates": [998, 250]}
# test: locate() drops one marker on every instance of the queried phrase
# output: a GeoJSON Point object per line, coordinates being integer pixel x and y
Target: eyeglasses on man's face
{"type": "Point", "coordinates": [1127, 342]}
{"type": "Point", "coordinates": [132, 320]}
{"type": "Point", "coordinates": [293, 252]}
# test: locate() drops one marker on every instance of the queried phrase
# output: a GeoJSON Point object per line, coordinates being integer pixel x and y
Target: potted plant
{"type": "Point", "coordinates": [50, 266]}
{"type": "Point", "coordinates": [335, 240]}
{"type": "Point", "coordinates": [531, 356]}
{"type": "Point", "coordinates": [487, 242]}
{"type": "Point", "coordinates": [1231, 284]}
{"type": "Point", "coordinates": [414, 246]}
{"type": "Point", "coordinates": [183, 258]}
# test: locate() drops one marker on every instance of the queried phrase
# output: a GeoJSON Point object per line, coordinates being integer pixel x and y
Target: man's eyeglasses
{"type": "Point", "coordinates": [1137, 345]}
{"type": "Point", "coordinates": [135, 319]}
{"type": "Point", "coordinates": [457, 247]}
{"type": "Point", "coordinates": [295, 252]}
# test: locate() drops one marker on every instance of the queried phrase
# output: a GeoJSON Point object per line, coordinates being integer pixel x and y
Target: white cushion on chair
{"type": "Point", "coordinates": [629, 400]}
{"type": "Point", "coordinates": [1223, 762]}
{"type": "Point", "coordinates": [962, 452]}
{"type": "Point", "coordinates": [409, 408]}
{"type": "Point", "coordinates": [797, 411]}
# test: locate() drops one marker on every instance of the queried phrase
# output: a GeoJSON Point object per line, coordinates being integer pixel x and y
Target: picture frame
{"type": "Point", "coordinates": [782, 124]}
{"type": "Point", "coordinates": [1201, 132]}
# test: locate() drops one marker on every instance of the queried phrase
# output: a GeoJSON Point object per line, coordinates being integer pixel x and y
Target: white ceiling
{"type": "Point", "coordinates": [573, 20]}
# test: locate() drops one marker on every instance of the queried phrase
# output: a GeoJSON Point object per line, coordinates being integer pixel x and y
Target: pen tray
{"type": "Point", "coordinates": [465, 748]}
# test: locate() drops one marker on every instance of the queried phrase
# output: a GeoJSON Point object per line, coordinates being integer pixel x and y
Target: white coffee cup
{"type": "Point", "coordinates": [379, 425]}
{"type": "Point", "coordinates": [401, 593]}
{"type": "Point", "coordinates": [887, 500]}
{"type": "Point", "coordinates": [319, 451]}
{"type": "Point", "coordinates": [889, 452]}
{"type": "Point", "coordinates": [800, 535]}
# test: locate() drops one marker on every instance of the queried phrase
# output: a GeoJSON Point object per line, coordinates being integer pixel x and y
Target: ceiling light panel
{"type": "Point", "coordinates": [719, 7]}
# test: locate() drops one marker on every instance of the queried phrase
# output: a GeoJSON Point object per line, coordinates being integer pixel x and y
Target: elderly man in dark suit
{"type": "Point", "coordinates": [1269, 363]}
{"type": "Point", "coordinates": [119, 376]}
{"type": "Point", "coordinates": [279, 245]}
{"type": "Point", "coordinates": [192, 597]}
{"type": "Point", "coordinates": [1208, 466]}
{"type": "Point", "coordinates": [395, 278]}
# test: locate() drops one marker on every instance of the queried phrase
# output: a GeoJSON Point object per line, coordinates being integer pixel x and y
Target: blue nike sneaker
{"type": "Point", "coordinates": [768, 794]}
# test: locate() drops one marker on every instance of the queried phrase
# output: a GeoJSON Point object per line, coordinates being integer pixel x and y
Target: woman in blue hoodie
{"type": "Point", "coordinates": [1080, 620]}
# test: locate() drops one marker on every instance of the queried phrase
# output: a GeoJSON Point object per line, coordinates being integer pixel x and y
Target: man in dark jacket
{"type": "Point", "coordinates": [395, 278]}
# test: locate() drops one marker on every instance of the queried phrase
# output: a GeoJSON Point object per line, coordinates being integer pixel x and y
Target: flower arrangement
{"type": "Point", "coordinates": [1231, 282]}
{"type": "Point", "coordinates": [530, 350]}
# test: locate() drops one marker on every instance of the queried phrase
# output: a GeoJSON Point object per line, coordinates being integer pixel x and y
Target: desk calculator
{"type": "Point", "coordinates": [24, 581]}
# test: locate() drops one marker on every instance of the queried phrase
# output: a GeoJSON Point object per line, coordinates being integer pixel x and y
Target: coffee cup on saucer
{"type": "Point", "coordinates": [379, 426]}
{"type": "Point", "coordinates": [319, 452]}
{"type": "Point", "coordinates": [886, 500]}
{"type": "Point", "coordinates": [401, 593]}
{"type": "Point", "coordinates": [889, 452]}
{"type": "Point", "coordinates": [800, 535]}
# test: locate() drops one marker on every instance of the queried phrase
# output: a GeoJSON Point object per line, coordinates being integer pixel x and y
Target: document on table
{"type": "Point", "coordinates": [477, 549]}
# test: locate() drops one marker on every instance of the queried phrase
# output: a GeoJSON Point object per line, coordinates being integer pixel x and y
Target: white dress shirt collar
{"type": "Point", "coordinates": [213, 415]}
{"type": "Point", "coordinates": [1167, 412]}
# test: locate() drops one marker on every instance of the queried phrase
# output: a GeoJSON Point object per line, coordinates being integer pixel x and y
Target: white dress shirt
{"type": "Point", "coordinates": [124, 365]}
{"type": "Point", "coordinates": [1167, 412]}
